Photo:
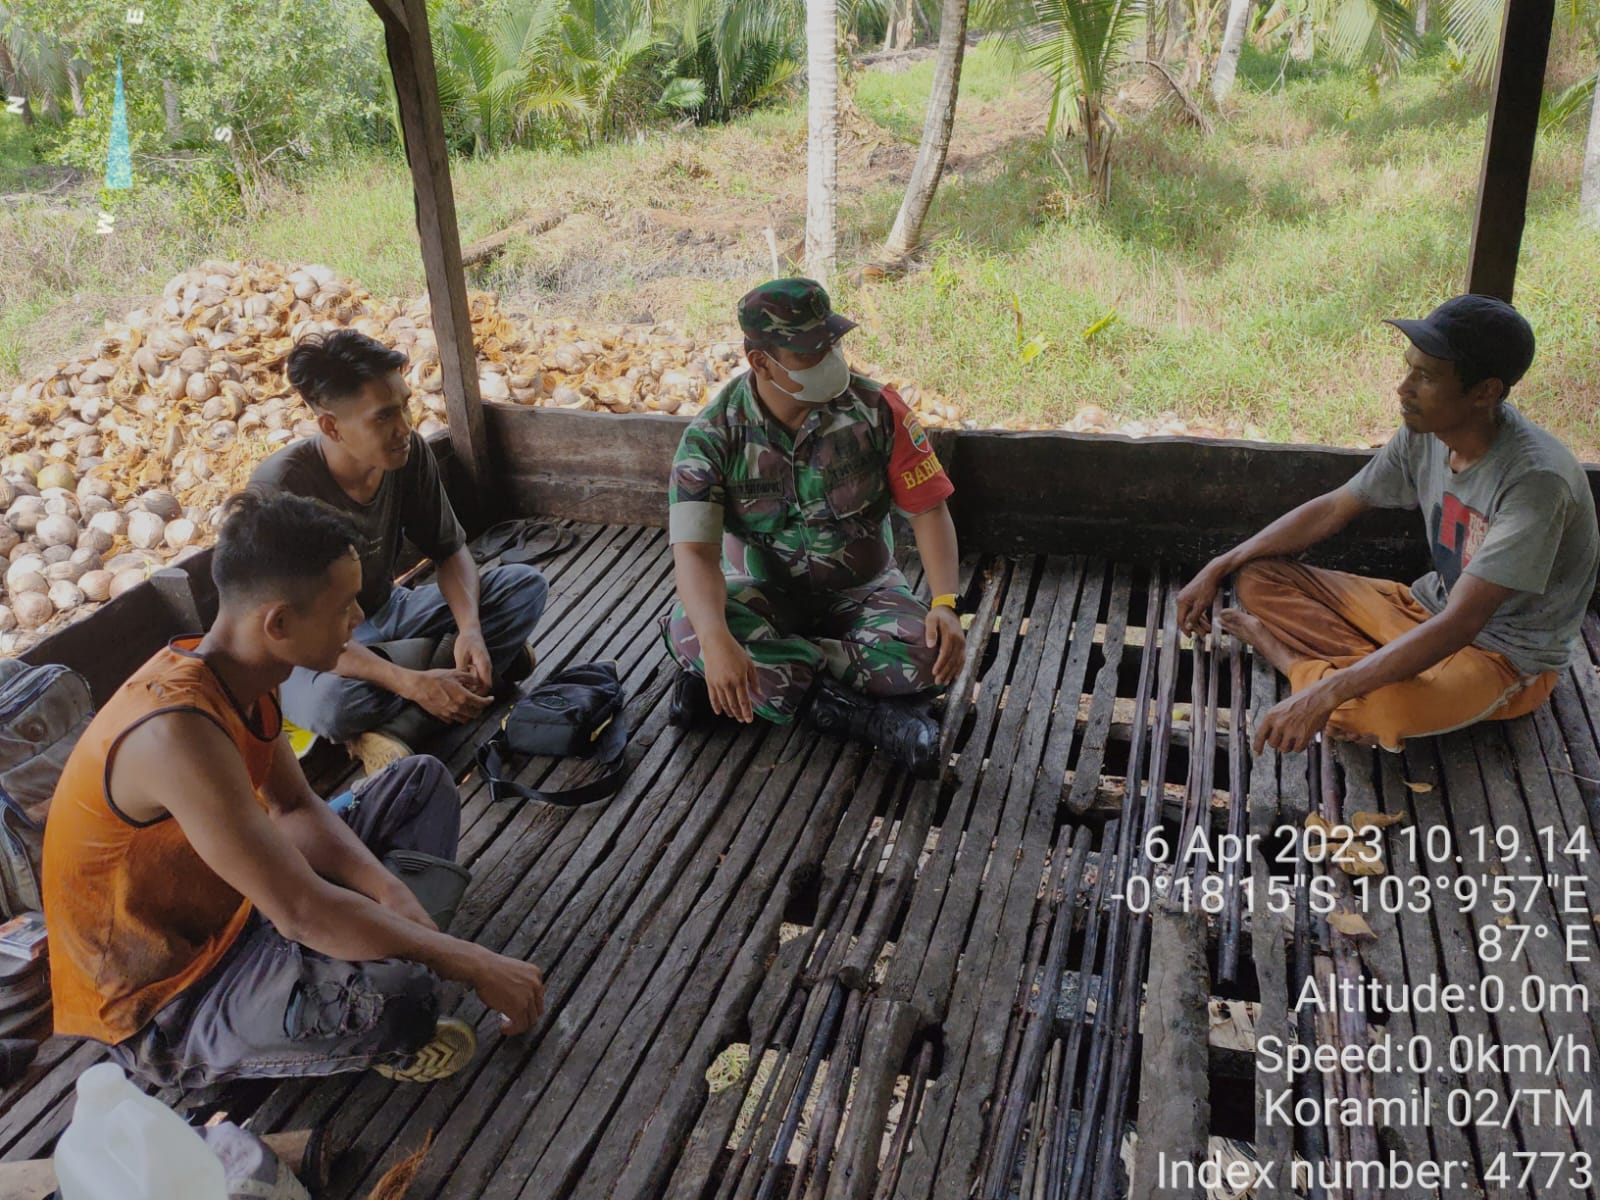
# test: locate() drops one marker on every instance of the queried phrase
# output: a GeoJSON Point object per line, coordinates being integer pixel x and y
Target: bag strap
{"type": "Point", "coordinates": [609, 747]}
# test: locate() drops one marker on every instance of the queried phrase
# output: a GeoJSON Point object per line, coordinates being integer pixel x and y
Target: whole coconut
{"type": "Point", "coordinates": [32, 609]}
{"type": "Point", "coordinates": [55, 554]}
{"type": "Point", "coordinates": [8, 492]}
{"type": "Point", "coordinates": [58, 530]}
{"type": "Point", "coordinates": [89, 485]}
{"type": "Point", "coordinates": [90, 505]}
{"type": "Point", "coordinates": [56, 475]}
{"type": "Point", "coordinates": [97, 540]}
{"type": "Point", "coordinates": [112, 522]}
{"type": "Point", "coordinates": [21, 582]}
{"type": "Point", "coordinates": [145, 529]}
{"type": "Point", "coordinates": [65, 595]}
{"type": "Point", "coordinates": [25, 513]}
{"type": "Point", "coordinates": [131, 577]}
{"type": "Point", "coordinates": [96, 586]}
{"type": "Point", "coordinates": [9, 538]}
{"type": "Point", "coordinates": [163, 504]}
{"type": "Point", "coordinates": [66, 569]}
{"type": "Point", "coordinates": [62, 502]}
{"type": "Point", "coordinates": [180, 533]}
{"type": "Point", "coordinates": [8, 619]}
{"type": "Point", "coordinates": [87, 558]}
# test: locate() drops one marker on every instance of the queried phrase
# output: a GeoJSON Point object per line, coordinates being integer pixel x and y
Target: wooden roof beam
{"type": "Point", "coordinates": [1508, 154]}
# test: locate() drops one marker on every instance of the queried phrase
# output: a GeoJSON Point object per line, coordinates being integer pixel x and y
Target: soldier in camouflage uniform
{"type": "Point", "coordinates": [791, 472]}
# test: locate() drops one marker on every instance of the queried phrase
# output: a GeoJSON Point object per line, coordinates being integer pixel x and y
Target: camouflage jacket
{"type": "Point", "coordinates": [808, 507]}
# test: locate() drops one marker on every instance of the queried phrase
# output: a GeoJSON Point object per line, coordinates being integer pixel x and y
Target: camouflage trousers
{"type": "Point", "coordinates": [868, 637]}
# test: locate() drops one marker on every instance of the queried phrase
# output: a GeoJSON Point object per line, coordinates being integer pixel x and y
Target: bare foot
{"type": "Point", "coordinates": [1254, 633]}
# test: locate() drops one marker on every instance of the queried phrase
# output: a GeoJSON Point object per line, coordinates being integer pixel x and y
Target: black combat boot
{"type": "Point", "coordinates": [691, 702]}
{"type": "Point", "coordinates": [897, 727]}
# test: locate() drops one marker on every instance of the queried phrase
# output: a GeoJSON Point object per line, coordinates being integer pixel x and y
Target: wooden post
{"type": "Point", "coordinates": [417, 88]}
{"type": "Point", "coordinates": [1508, 155]}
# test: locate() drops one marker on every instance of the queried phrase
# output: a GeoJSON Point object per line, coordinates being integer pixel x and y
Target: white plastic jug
{"type": "Point", "coordinates": [124, 1145]}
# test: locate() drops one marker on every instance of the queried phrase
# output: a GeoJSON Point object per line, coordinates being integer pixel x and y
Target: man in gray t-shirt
{"type": "Point", "coordinates": [370, 464]}
{"type": "Point", "coordinates": [1510, 520]}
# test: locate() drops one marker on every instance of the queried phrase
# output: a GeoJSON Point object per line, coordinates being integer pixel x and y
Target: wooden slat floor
{"type": "Point", "coordinates": [777, 968]}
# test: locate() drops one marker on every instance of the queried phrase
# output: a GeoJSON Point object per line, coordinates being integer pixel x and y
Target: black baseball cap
{"type": "Point", "coordinates": [1483, 332]}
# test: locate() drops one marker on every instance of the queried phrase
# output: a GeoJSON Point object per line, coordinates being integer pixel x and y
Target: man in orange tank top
{"type": "Point", "coordinates": [210, 917]}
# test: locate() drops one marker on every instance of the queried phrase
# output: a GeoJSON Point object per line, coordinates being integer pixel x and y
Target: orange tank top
{"type": "Point", "coordinates": [134, 915]}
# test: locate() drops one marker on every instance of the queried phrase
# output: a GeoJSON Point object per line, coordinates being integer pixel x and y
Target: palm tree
{"type": "Point", "coordinates": [936, 127]}
{"type": "Point", "coordinates": [822, 141]}
{"type": "Point", "coordinates": [1589, 196]}
{"type": "Point", "coordinates": [1077, 44]}
{"type": "Point", "coordinates": [1232, 42]}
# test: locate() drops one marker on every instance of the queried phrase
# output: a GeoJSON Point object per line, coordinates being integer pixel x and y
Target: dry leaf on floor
{"type": "Point", "coordinates": [1351, 925]}
{"type": "Point", "coordinates": [1375, 820]}
{"type": "Point", "coordinates": [1419, 787]}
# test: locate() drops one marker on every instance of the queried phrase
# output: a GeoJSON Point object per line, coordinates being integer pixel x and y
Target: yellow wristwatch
{"type": "Point", "coordinates": [948, 600]}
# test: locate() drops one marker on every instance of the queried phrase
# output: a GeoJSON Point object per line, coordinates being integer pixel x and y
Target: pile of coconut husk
{"type": "Point", "coordinates": [117, 463]}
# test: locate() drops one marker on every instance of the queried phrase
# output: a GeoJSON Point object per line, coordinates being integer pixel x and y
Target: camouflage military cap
{"type": "Point", "coordinates": [792, 314]}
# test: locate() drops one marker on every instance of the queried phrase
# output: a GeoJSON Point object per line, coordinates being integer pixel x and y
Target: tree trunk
{"type": "Point", "coordinates": [9, 85]}
{"type": "Point", "coordinates": [169, 101]}
{"type": "Point", "coordinates": [1422, 18]}
{"type": "Point", "coordinates": [75, 86]}
{"type": "Point", "coordinates": [902, 30]}
{"type": "Point", "coordinates": [822, 141]}
{"type": "Point", "coordinates": [1232, 43]}
{"type": "Point", "coordinates": [1177, 33]}
{"type": "Point", "coordinates": [1589, 196]}
{"type": "Point", "coordinates": [936, 127]}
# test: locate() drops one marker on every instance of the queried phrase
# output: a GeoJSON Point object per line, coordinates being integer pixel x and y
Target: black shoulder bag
{"type": "Point", "coordinates": [573, 713]}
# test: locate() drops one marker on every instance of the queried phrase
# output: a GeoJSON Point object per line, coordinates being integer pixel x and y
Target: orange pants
{"type": "Point", "coordinates": [1329, 619]}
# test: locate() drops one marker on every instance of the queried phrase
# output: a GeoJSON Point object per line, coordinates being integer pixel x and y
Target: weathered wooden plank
{"type": "Point", "coordinates": [567, 920]}
{"type": "Point", "coordinates": [1036, 1010]}
{"type": "Point", "coordinates": [1383, 959]}
{"type": "Point", "coordinates": [779, 1000]}
{"type": "Point", "coordinates": [1421, 960]}
{"type": "Point", "coordinates": [1092, 747]}
{"type": "Point", "coordinates": [692, 992]}
{"type": "Point", "coordinates": [564, 1059]}
{"type": "Point", "coordinates": [1174, 1117]}
{"type": "Point", "coordinates": [1453, 931]}
{"type": "Point", "coordinates": [993, 850]}
{"type": "Point", "coordinates": [1565, 1032]}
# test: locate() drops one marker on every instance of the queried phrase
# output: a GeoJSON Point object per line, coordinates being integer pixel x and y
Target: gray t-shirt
{"type": "Point", "coordinates": [410, 501]}
{"type": "Point", "coordinates": [1522, 516]}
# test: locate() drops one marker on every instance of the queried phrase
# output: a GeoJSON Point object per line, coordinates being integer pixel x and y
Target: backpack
{"type": "Point", "coordinates": [43, 711]}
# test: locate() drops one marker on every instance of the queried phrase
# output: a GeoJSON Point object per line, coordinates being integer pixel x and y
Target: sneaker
{"type": "Point", "coordinates": [454, 1043]}
{"type": "Point", "coordinates": [900, 728]}
{"type": "Point", "coordinates": [691, 702]}
{"type": "Point", "coordinates": [376, 749]}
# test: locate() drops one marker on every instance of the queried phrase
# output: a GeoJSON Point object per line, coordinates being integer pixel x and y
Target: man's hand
{"type": "Point", "coordinates": [730, 678]}
{"type": "Point", "coordinates": [472, 658]}
{"type": "Point", "coordinates": [511, 988]}
{"type": "Point", "coordinates": [448, 694]}
{"type": "Point", "coordinates": [1194, 601]}
{"type": "Point", "coordinates": [1292, 724]}
{"type": "Point", "coordinates": [943, 629]}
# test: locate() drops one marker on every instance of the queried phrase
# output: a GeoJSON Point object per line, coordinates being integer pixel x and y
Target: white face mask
{"type": "Point", "coordinates": [823, 382]}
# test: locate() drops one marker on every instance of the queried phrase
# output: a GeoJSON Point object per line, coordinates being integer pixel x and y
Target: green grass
{"type": "Point", "coordinates": [1239, 278]}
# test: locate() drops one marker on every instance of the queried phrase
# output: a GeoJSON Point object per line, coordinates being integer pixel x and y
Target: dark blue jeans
{"type": "Point", "coordinates": [510, 602]}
